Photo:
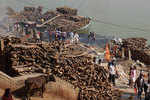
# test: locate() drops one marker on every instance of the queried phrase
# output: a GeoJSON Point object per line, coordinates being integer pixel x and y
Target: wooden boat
{"type": "Point", "coordinates": [63, 18]}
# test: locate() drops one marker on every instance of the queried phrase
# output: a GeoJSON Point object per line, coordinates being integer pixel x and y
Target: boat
{"type": "Point", "coordinates": [64, 18]}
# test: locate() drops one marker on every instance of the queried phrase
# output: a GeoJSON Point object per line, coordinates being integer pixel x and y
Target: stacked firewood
{"type": "Point", "coordinates": [67, 10]}
{"type": "Point", "coordinates": [89, 78]}
{"type": "Point", "coordinates": [67, 21]}
{"type": "Point", "coordinates": [135, 43]}
{"type": "Point", "coordinates": [139, 49]}
{"type": "Point", "coordinates": [141, 55]}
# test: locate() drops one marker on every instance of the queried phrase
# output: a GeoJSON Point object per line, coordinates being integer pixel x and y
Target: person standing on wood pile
{"type": "Point", "coordinates": [139, 86]}
{"type": "Point", "coordinates": [7, 95]}
{"type": "Point", "coordinates": [112, 72]}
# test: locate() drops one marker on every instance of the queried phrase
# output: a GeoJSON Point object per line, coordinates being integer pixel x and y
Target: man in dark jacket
{"type": "Point", "coordinates": [139, 84]}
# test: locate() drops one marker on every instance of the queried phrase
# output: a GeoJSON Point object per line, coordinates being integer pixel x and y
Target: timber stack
{"type": "Point", "coordinates": [67, 10]}
{"type": "Point", "coordinates": [139, 49]}
{"type": "Point", "coordinates": [135, 43]}
{"type": "Point", "coordinates": [90, 78]}
{"type": "Point", "coordinates": [63, 18]}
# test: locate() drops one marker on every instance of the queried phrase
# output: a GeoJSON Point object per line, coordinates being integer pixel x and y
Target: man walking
{"type": "Point", "coordinates": [112, 72]}
{"type": "Point", "coordinates": [139, 84]}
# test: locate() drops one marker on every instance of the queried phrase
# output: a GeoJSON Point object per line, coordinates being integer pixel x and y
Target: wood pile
{"type": "Point", "coordinates": [32, 9]}
{"type": "Point", "coordinates": [49, 14]}
{"type": "Point", "coordinates": [141, 55]}
{"type": "Point", "coordinates": [139, 49]}
{"type": "Point", "coordinates": [67, 10]}
{"type": "Point", "coordinates": [135, 43]}
{"type": "Point", "coordinates": [91, 79]}
{"type": "Point", "coordinates": [67, 21]}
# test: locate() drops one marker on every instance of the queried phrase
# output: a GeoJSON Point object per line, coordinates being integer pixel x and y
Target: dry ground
{"type": "Point", "coordinates": [59, 90]}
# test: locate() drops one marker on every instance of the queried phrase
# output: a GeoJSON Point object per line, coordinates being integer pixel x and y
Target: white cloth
{"type": "Point", "coordinates": [71, 34]}
{"type": "Point", "coordinates": [148, 89]}
{"type": "Point", "coordinates": [38, 36]}
{"type": "Point", "coordinates": [58, 32]}
{"type": "Point", "coordinates": [64, 34]}
{"type": "Point", "coordinates": [112, 69]}
{"type": "Point", "coordinates": [134, 75]}
{"type": "Point", "coordinates": [76, 37]}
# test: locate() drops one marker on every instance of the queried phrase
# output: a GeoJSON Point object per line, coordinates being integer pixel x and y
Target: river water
{"type": "Point", "coordinates": [117, 18]}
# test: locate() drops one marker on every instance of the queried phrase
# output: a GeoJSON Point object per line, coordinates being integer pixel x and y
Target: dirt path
{"type": "Point", "coordinates": [122, 85]}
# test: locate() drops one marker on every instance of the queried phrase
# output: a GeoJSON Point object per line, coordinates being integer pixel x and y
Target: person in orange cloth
{"type": "Point", "coordinates": [7, 95]}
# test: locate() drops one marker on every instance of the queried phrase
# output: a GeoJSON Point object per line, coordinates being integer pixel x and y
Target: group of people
{"type": "Point", "coordinates": [139, 83]}
{"type": "Point", "coordinates": [58, 35]}
{"type": "Point", "coordinates": [30, 31]}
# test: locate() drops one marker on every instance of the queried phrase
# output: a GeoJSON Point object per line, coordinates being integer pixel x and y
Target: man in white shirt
{"type": "Point", "coordinates": [112, 72]}
{"type": "Point", "coordinates": [76, 38]}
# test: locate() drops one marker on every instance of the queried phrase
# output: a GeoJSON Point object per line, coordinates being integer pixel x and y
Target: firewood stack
{"type": "Point", "coordinates": [135, 43]}
{"type": "Point", "coordinates": [91, 79]}
{"type": "Point", "coordinates": [67, 21]}
{"type": "Point", "coordinates": [67, 10]}
{"type": "Point", "coordinates": [139, 50]}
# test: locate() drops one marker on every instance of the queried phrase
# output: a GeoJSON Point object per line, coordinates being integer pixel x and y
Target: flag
{"type": "Point", "coordinates": [107, 53]}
